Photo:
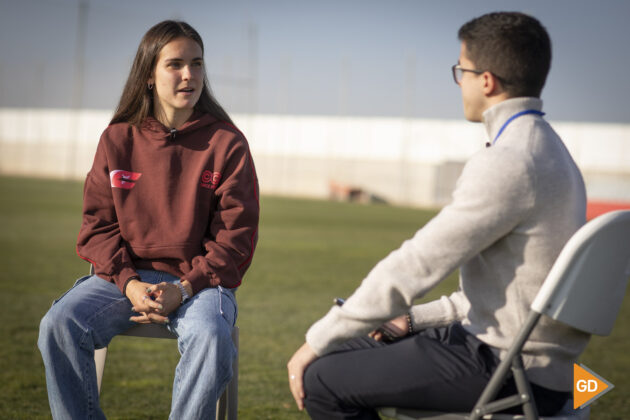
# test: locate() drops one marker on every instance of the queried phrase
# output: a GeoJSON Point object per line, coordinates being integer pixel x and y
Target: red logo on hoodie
{"type": "Point", "coordinates": [210, 180]}
{"type": "Point", "coordinates": [124, 179]}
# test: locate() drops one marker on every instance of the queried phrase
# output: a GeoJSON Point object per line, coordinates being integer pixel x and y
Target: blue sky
{"type": "Point", "coordinates": [344, 57]}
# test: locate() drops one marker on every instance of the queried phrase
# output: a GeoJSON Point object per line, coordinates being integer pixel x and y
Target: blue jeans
{"type": "Point", "coordinates": [90, 314]}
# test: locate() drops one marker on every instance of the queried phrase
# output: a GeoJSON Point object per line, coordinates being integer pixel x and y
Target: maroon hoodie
{"type": "Point", "coordinates": [182, 201]}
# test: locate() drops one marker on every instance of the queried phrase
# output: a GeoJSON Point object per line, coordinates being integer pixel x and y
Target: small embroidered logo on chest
{"type": "Point", "coordinates": [123, 179]}
{"type": "Point", "coordinates": [210, 180]}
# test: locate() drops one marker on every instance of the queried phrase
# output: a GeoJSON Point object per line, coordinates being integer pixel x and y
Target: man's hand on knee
{"type": "Point", "coordinates": [296, 367]}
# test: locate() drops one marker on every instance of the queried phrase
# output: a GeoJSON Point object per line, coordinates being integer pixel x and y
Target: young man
{"type": "Point", "coordinates": [515, 205]}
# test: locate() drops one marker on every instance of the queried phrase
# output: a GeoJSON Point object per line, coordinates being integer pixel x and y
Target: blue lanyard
{"type": "Point", "coordinates": [515, 116]}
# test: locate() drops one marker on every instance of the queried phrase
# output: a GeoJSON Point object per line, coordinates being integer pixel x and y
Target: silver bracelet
{"type": "Point", "coordinates": [182, 290]}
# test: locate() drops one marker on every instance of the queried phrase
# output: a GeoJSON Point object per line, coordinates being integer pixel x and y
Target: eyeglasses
{"type": "Point", "coordinates": [458, 73]}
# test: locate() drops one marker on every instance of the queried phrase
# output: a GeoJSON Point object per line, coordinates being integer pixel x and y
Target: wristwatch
{"type": "Point", "coordinates": [182, 290]}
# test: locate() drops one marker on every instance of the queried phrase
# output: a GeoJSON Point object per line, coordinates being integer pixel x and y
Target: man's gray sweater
{"type": "Point", "coordinates": [514, 207]}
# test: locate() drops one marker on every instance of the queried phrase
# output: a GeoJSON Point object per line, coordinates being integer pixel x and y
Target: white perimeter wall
{"type": "Point", "coordinates": [404, 161]}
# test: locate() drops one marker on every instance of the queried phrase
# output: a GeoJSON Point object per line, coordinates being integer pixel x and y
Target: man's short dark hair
{"type": "Point", "coordinates": [513, 46]}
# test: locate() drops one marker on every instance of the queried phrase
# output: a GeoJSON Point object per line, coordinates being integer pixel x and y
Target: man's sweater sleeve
{"type": "Point", "coordinates": [100, 241]}
{"type": "Point", "coordinates": [493, 194]}
{"type": "Point", "coordinates": [440, 312]}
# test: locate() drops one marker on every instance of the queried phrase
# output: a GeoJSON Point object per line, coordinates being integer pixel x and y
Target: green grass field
{"type": "Point", "coordinates": [309, 252]}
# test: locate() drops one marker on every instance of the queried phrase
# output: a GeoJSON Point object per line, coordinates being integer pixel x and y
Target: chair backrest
{"type": "Point", "coordinates": [587, 283]}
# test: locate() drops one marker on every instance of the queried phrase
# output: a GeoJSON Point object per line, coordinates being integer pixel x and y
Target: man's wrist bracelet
{"type": "Point", "coordinates": [409, 324]}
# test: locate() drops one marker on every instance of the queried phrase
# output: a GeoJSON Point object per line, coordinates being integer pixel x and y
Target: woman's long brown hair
{"type": "Point", "coordinates": [136, 102]}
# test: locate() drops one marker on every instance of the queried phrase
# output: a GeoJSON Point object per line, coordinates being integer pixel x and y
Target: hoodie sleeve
{"type": "Point", "coordinates": [100, 241]}
{"type": "Point", "coordinates": [233, 230]}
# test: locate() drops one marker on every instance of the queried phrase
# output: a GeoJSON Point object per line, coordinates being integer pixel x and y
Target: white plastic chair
{"type": "Point", "coordinates": [591, 272]}
{"type": "Point", "coordinates": [227, 405]}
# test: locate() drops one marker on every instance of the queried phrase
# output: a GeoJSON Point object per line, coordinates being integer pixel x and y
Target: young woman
{"type": "Point", "coordinates": [170, 219]}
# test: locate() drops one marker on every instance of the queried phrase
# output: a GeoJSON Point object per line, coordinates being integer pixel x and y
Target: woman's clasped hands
{"type": "Point", "coordinates": [154, 302]}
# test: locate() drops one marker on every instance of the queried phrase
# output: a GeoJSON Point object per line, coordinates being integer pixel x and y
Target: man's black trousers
{"type": "Point", "coordinates": [442, 369]}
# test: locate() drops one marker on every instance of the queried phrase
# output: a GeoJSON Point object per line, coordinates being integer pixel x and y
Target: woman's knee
{"type": "Point", "coordinates": [64, 324]}
{"type": "Point", "coordinates": [54, 326]}
{"type": "Point", "coordinates": [52, 320]}
{"type": "Point", "coordinates": [45, 329]}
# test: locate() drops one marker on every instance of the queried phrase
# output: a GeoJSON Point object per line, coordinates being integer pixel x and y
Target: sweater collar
{"type": "Point", "coordinates": [159, 131]}
{"type": "Point", "coordinates": [495, 116]}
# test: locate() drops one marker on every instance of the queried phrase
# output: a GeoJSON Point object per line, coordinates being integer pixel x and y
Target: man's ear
{"type": "Point", "coordinates": [490, 85]}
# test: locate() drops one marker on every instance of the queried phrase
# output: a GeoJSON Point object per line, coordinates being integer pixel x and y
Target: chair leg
{"type": "Point", "coordinates": [99, 360]}
{"type": "Point", "coordinates": [222, 406]}
{"type": "Point", "coordinates": [228, 403]}
{"type": "Point", "coordinates": [232, 396]}
{"type": "Point", "coordinates": [484, 404]}
{"type": "Point", "coordinates": [524, 389]}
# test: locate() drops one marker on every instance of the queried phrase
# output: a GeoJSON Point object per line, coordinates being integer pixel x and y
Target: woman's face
{"type": "Point", "coordinates": [178, 80]}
